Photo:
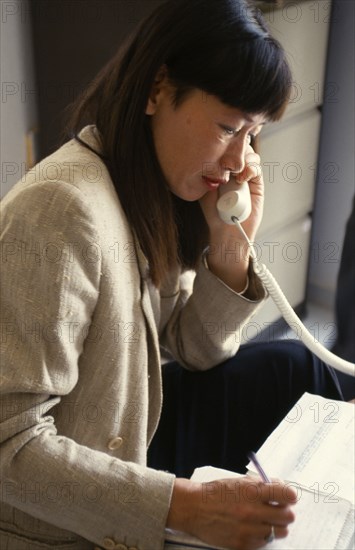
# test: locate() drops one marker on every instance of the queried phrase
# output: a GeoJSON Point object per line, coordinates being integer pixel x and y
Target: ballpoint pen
{"type": "Point", "coordinates": [253, 458]}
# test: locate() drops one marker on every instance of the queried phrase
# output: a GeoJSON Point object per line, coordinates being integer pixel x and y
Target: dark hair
{"type": "Point", "coordinates": [219, 46]}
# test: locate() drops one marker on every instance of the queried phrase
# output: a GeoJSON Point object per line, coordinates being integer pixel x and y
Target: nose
{"type": "Point", "coordinates": [233, 159]}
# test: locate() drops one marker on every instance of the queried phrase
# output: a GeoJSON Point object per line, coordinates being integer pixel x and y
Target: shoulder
{"type": "Point", "coordinates": [72, 164]}
{"type": "Point", "coordinates": [70, 187]}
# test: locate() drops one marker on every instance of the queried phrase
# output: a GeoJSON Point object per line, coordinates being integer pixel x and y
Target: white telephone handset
{"type": "Point", "coordinates": [234, 202]}
{"type": "Point", "coordinates": [234, 207]}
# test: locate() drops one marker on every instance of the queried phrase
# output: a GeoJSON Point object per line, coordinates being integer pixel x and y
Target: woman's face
{"type": "Point", "coordinates": [200, 142]}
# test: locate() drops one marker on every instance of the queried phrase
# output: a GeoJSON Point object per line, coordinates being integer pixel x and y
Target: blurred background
{"type": "Point", "coordinates": [50, 50]}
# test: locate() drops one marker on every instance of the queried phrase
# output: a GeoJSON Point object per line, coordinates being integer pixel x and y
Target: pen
{"type": "Point", "coordinates": [253, 458]}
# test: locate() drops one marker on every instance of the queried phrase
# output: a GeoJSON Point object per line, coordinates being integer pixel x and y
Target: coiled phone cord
{"type": "Point", "coordinates": [290, 316]}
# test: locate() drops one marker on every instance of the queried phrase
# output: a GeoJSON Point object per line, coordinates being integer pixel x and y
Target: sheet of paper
{"type": "Point", "coordinates": [314, 446]}
{"type": "Point", "coordinates": [318, 526]}
{"type": "Point", "coordinates": [210, 473]}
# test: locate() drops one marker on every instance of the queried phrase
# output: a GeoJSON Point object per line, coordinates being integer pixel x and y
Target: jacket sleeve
{"type": "Point", "coordinates": [46, 279]}
{"type": "Point", "coordinates": [206, 324]}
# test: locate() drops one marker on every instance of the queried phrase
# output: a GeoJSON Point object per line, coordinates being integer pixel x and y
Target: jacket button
{"type": "Point", "coordinates": [115, 443]}
{"type": "Point", "coordinates": [109, 544]}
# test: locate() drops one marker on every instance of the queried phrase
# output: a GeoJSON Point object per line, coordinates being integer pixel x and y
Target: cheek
{"type": "Point", "coordinates": [211, 150]}
{"type": "Point", "coordinates": [184, 144]}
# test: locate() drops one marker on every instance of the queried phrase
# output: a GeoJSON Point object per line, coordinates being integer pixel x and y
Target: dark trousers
{"type": "Point", "coordinates": [215, 417]}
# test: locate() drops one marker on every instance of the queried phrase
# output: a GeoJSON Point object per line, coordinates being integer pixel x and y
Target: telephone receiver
{"type": "Point", "coordinates": [234, 202]}
{"type": "Point", "coordinates": [234, 207]}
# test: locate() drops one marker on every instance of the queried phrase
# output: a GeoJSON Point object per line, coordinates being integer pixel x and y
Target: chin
{"type": "Point", "coordinates": [191, 196]}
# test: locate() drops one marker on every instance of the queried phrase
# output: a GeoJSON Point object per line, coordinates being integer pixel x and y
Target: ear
{"type": "Point", "coordinates": [159, 85]}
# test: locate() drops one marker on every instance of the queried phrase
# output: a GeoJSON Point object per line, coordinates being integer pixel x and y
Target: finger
{"type": "Point", "coordinates": [260, 535]}
{"type": "Point", "coordinates": [280, 532]}
{"type": "Point", "coordinates": [253, 172]}
{"type": "Point", "coordinates": [279, 493]}
{"type": "Point", "coordinates": [252, 169]}
{"type": "Point", "coordinates": [252, 157]}
{"type": "Point", "coordinates": [250, 149]}
{"type": "Point", "coordinates": [280, 516]}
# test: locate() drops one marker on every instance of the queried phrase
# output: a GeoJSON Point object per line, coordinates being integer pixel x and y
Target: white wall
{"type": "Point", "coordinates": [336, 183]}
{"type": "Point", "coordinates": [18, 95]}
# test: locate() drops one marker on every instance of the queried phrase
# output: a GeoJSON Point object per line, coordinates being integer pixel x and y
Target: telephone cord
{"type": "Point", "coordinates": [291, 317]}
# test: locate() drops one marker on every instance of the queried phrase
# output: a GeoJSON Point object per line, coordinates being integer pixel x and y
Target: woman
{"type": "Point", "coordinates": [99, 243]}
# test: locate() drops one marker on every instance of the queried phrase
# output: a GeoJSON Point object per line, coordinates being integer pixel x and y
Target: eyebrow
{"type": "Point", "coordinates": [248, 119]}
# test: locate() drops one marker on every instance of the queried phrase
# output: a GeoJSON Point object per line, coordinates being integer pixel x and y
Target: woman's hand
{"type": "Point", "coordinates": [252, 173]}
{"type": "Point", "coordinates": [228, 256]}
{"type": "Point", "coordinates": [233, 513]}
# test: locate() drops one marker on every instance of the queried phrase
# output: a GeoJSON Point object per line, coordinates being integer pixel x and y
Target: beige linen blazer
{"type": "Point", "coordinates": [82, 333]}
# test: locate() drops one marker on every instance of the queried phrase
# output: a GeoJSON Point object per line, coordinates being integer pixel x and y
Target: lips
{"type": "Point", "coordinates": [213, 183]}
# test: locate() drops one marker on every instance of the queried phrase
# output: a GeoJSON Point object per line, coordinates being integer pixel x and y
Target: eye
{"type": "Point", "coordinates": [228, 131]}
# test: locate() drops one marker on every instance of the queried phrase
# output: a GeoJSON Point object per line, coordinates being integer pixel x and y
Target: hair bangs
{"type": "Point", "coordinates": [260, 80]}
{"type": "Point", "coordinates": [253, 76]}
